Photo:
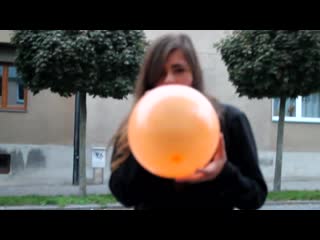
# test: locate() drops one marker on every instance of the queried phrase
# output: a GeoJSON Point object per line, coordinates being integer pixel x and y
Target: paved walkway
{"type": "Point", "coordinates": [50, 190]}
{"type": "Point", "coordinates": [292, 205]}
{"type": "Point", "coordinates": [298, 184]}
{"type": "Point", "coordinates": [270, 205]}
{"type": "Point", "coordinates": [113, 206]}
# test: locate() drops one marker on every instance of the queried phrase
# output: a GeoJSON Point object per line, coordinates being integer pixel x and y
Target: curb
{"type": "Point", "coordinates": [292, 202]}
{"type": "Point", "coordinates": [118, 206]}
{"type": "Point", "coordinates": [111, 206]}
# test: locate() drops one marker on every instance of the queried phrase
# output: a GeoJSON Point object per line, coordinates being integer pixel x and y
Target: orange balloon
{"type": "Point", "coordinates": [173, 130]}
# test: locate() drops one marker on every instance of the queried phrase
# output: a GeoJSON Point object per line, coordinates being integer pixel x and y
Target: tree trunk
{"type": "Point", "coordinates": [75, 177]}
{"type": "Point", "coordinates": [278, 165]}
{"type": "Point", "coordinates": [82, 155]}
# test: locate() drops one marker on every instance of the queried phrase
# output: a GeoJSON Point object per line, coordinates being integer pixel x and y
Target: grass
{"type": "Point", "coordinates": [294, 195]}
{"type": "Point", "coordinates": [104, 200]}
{"type": "Point", "coordinates": [61, 201]}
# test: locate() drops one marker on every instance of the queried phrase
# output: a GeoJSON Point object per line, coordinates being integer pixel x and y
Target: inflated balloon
{"type": "Point", "coordinates": [173, 130]}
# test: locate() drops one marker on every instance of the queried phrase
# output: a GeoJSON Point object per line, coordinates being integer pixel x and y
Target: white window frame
{"type": "Point", "coordinates": [298, 118]}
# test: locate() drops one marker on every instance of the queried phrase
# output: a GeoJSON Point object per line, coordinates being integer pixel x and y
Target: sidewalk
{"type": "Point", "coordinates": [269, 205]}
{"type": "Point", "coordinates": [297, 184]}
{"type": "Point", "coordinates": [111, 206]}
{"type": "Point", "coordinates": [51, 190]}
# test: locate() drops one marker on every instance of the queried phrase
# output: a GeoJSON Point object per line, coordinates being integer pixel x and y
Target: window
{"type": "Point", "coordinates": [4, 163]}
{"type": "Point", "coordinates": [301, 109]}
{"type": "Point", "coordinates": [13, 95]}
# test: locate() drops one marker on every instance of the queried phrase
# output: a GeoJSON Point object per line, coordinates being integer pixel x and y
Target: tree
{"type": "Point", "coordinates": [274, 64]}
{"type": "Point", "coordinates": [96, 62]}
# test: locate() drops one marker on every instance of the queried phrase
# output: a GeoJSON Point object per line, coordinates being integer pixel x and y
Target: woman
{"type": "Point", "coordinates": [231, 180]}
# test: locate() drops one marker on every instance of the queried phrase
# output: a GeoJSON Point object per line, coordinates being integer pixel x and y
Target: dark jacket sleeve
{"type": "Point", "coordinates": [242, 178]}
{"type": "Point", "coordinates": [132, 185]}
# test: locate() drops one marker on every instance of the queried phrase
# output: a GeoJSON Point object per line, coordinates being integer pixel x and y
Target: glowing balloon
{"type": "Point", "coordinates": [173, 130]}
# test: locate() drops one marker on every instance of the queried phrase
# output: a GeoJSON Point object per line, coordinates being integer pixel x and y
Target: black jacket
{"type": "Point", "coordinates": [240, 184]}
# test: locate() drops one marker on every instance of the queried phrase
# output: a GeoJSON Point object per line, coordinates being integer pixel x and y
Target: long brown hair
{"type": "Point", "coordinates": [150, 74]}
